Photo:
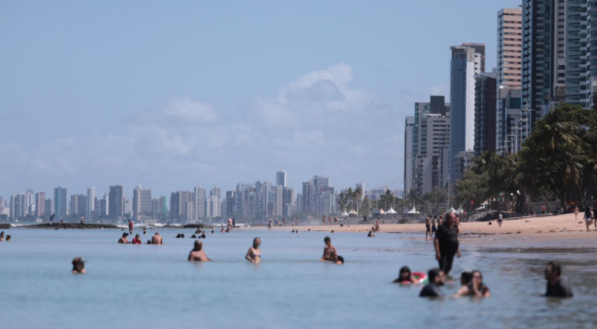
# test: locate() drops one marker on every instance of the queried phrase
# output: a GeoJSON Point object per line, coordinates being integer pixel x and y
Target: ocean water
{"type": "Point", "coordinates": [142, 286]}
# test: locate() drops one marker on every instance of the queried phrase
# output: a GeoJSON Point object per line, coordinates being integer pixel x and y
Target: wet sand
{"type": "Point", "coordinates": [561, 231]}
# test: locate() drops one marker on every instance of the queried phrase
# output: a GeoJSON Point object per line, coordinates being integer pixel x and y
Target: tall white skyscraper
{"type": "Point", "coordinates": [408, 154]}
{"type": "Point", "coordinates": [281, 178]}
{"type": "Point", "coordinates": [90, 203]}
{"type": "Point", "coordinates": [141, 202]}
{"type": "Point", "coordinates": [468, 60]}
{"type": "Point", "coordinates": [199, 203]}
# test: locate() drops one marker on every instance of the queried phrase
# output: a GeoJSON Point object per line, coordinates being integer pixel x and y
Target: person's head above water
{"type": "Point", "coordinates": [466, 278]}
{"type": "Point", "coordinates": [8, 238]}
{"type": "Point", "coordinates": [124, 235]}
{"type": "Point", "coordinates": [436, 276]}
{"type": "Point", "coordinates": [327, 240]}
{"type": "Point", "coordinates": [78, 265]}
{"type": "Point", "coordinates": [256, 243]}
{"type": "Point", "coordinates": [553, 270]}
{"type": "Point", "coordinates": [157, 233]}
{"type": "Point", "coordinates": [404, 274]}
{"type": "Point", "coordinates": [341, 259]}
{"type": "Point", "coordinates": [198, 245]}
{"type": "Point", "coordinates": [137, 236]}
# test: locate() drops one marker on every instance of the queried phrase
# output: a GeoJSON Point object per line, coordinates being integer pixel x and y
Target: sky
{"type": "Point", "coordinates": [174, 94]}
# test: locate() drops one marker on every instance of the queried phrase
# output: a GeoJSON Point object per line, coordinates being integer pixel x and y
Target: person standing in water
{"type": "Point", "coordinates": [78, 266]}
{"type": "Point", "coordinates": [1, 236]}
{"type": "Point", "coordinates": [556, 285]}
{"type": "Point", "coordinates": [123, 238]}
{"type": "Point", "coordinates": [137, 239]}
{"type": "Point", "coordinates": [405, 276]}
{"type": "Point", "coordinates": [475, 288]}
{"type": "Point", "coordinates": [428, 228]}
{"type": "Point", "coordinates": [156, 239]}
{"type": "Point", "coordinates": [83, 222]}
{"type": "Point", "coordinates": [446, 244]}
{"type": "Point", "coordinates": [436, 279]}
{"type": "Point", "coordinates": [130, 226]}
{"type": "Point", "coordinates": [434, 226]}
{"type": "Point", "coordinates": [197, 254]}
{"type": "Point", "coordinates": [254, 253]}
{"type": "Point", "coordinates": [329, 252]}
{"type": "Point", "coordinates": [52, 219]}
{"type": "Point", "coordinates": [269, 225]}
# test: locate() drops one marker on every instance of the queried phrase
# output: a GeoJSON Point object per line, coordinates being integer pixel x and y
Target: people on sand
{"type": "Point", "coordinates": [595, 215]}
{"type": "Point", "coordinates": [254, 253]}
{"type": "Point", "coordinates": [329, 252]}
{"type": "Point", "coordinates": [557, 286]}
{"type": "Point", "coordinates": [446, 244]}
{"type": "Point", "coordinates": [543, 211]}
{"type": "Point", "coordinates": [588, 218]}
{"type": "Point", "coordinates": [500, 219]}
{"type": "Point", "coordinates": [157, 238]}
{"type": "Point", "coordinates": [197, 254]}
{"type": "Point", "coordinates": [428, 228]}
{"type": "Point", "coordinates": [323, 220]}
{"type": "Point", "coordinates": [437, 279]}
{"type": "Point", "coordinates": [405, 276]}
{"type": "Point", "coordinates": [575, 212]}
{"type": "Point", "coordinates": [475, 288]}
{"type": "Point", "coordinates": [137, 239]}
{"type": "Point", "coordinates": [123, 238]}
{"type": "Point", "coordinates": [78, 266]}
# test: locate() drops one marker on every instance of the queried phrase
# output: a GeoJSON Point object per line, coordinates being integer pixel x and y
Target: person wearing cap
{"type": "Point", "coordinates": [156, 239]}
{"type": "Point", "coordinates": [123, 239]}
{"type": "Point", "coordinates": [79, 266]}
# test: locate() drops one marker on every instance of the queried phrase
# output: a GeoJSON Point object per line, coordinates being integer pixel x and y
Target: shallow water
{"type": "Point", "coordinates": [141, 286]}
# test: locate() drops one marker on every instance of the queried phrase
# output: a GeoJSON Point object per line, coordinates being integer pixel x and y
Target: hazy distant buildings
{"type": "Point", "coordinates": [200, 198]}
{"type": "Point", "coordinates": [180, 202]}
{"type": "Point", "coordinates": [60, 203]}
{"type": "Point", "coordinates": [49, 208]}
{"type": "Point", "coordinates": [90, 203]}
{"type": "Point", "coordinates": [408, 153]}
{"type": "Point", "coordinates": [159, 207]}
{"type": "Point", "coordinates": [318, 197]}
{"type": "Point", "coordinates": [142, 203]}
{"type": "Point", "coordinates": [116, 202]}
{"type": "Point", "coordinates": [78, 205]}
{"type": "Point", "coordinates": [485, 112]}
{"type": "Point", "coordinates": [468, 60]}
{"type": "Point", "coordinates": [281, 178]}
{"type": "Point", "coordinates": [40, 204]}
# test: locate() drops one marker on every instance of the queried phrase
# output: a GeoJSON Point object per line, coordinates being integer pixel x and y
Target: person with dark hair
{"type": "Point", "coordinates": [434, 226]}
{"type": "Point", "coordinates": [475, 288]}
{"type": "Point", "coordinates": [557, 286]}
{"type": "Point", "coordinates": [52, 219]}
{"type": "Point", "coordinates": [137, 239]}
{"type": "Point", "coordinates": [436, 280]}
{"type": "Point", "coordinates": [197, 254]}
{"type": "Point", "coordinates": [79, 266]}
{"type": "Point", "coordinates": [254, 253]}
{"type": "Point", "coordinates": [370, 235]}
{"type": "Point", "coordinates": [428, 228]}
{"type": "Point", "coordinates": [405, 276]}
{"type": "Point", "coordinates": [8, 238]}
{"type": "Point", "coordinates": [123, 238]}
{"type": "Point", "coordinates": [1, 236]}
{"type": "Point", "coordinates": [329, 252]}
{"type": "Point", "coordinates": [500, 219]}
{"type": "Point", "coordinates": [130, 226]}
{"type": "Point", "coordinates": [446, 243]}
{"type": "Point", "coordinates": [588, 218]}
{"type": "Point", "coordinates": [466, 278]}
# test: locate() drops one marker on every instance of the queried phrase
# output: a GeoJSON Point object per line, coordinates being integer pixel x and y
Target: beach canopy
{"type": "Point", "coordinates": [451, 210]}
{"type": "Point", "coordinates": [413, 211]}
{"type": "Point", "coordinates": [344, 214]}
{"type": "Point", "coordinates": [381, 212]}
{"type": "Point", "coordinates": [460, 211]}
{"type": "Point", "coordinates": [391, 211]}
{"type": "Point", "coordinates": [352, 212]}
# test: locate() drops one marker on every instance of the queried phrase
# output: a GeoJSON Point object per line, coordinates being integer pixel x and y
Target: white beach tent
{"type": "Point", "coordinates": [352, 212]}
{"type": "Point", "coordinates": [460, 211]}
{"type": "Point", "coordinates": [413, 211]}
{"type": "Point", "coordinates": [391, 211]}
{"type": "Point", "coordinates": [344, 214]}
{"type": "Point", "coordinates": [381, 212]}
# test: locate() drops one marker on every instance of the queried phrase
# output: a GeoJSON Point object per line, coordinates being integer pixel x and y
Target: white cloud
{"type": "Point", "coordinates": [189, 111]}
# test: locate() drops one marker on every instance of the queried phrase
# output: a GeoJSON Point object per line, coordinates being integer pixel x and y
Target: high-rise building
{"type": "Point", "coordinates": [199, 199]}
{"type": "Point", "coordinates": [127, 206]}
{"type": "Point", "coordinates": [142, 204]}
{"type": "Point", "coordinates": [49, 209]}
{"type": "Point", "coordinates": [281, 178]}
{"type": "Point", "coordinates": [318, 196]}
{"type": "Point", "coordinates": [288, 203]}
{"type": "Point", "coordinates": [509, 121]}
{"type": "Point", "coordinates": [408, 153]}
{"type": "Point", "coordinates": [116, 202]}
{"type": "Point", "coordinates": [485, 112]}
{"type": "Point", "coordinates": [40, 204]}
{"type": "Point", "coordinates": [159, 207]}
{"type": "Point", "coordinates": [18, 206]}
{"type": "Point", "coordinates": [90, 203]}
{"type": "Point", "coordinates": [229, 204]}
{"type": "Point", "coordinates": [104, 206]}
{"type": "Point", "coordinates": [60, 203]}
{"type": "Point", "coordinates": [179, 203]}
{"type": "Point", "coordinates": [29, 203]}
{"type": "Point", "coordinates": [509, 49]}
{"type": "Point", "coordinates": [468, 60]}
{"type": "Point", "coordinates": [432, 163]}
{"type": "Point", "coordinates": [78, 205]}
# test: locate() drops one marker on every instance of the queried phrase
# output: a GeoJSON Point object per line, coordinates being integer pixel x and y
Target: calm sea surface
{"type": "Point", "coordinates": [132, 286]}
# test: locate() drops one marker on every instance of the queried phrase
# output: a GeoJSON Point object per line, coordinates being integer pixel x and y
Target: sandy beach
{"type": "Point", "coordinates": [561, 231]}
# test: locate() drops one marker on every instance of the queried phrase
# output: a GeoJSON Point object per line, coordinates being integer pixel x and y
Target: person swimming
{"type": "Point", "coordinates": [436, 280]}
{"type": "Point", "coordinates": [370, 235]}
{"type": "Point", "coordinates": [465, 278]}
{"type": "Point", "coordinates": [329, 253]}
{"type": "Point", "coordinates": [156, 239]}
{"type": "Point", "coordinates": [475, 288]}
{"type": "Point", "coordinates": [197, 254]}
{"type": "Point", "coordinates": [557, 286]}
{"type": "Point", "coordinates": [78, 266]}
{"type": "Point", "coordinates": [137, 239]}
{"type": "Point", "coordinates": [405, 276]}
{"type": "Point", "coordinates": [123, 238]}
{"type": "Point", "coordinates": [1, 236]}
{"type": "Point", "coordinates": [8, 238]}
{"type": "Point", "coordinates": [254, 253]}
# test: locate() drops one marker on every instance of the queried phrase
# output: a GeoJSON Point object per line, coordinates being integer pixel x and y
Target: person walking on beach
{"type": "Point", "coordinates": [588, 218]}
{"type": "Point", "coordinates": [323, 219]}
{"type": "Point", "coordinates": [254, 253]}
{"type": "Point", "coordinates": [556, 285]}
{"type": "Point", "coordinates": [197, 254]}
{"type": "Point", "coordinates": [446, 244]}
{"type": "Point", "coordinates": [428, 228]}
{"type": "Point", "coordinates": [500, 219]}
{"type": "Point", "coordinates": [437, 279]}
{"type": "Point", "coordinates": [269, 225]}
{"type": "Point", "coordinates": [575, 212]}
{"type": "Point", "coordinates": [329, 252]}
{"type": "Point", "coordinates": [434, 226]}
{"type": "Point", "coordinates": [156, 239]}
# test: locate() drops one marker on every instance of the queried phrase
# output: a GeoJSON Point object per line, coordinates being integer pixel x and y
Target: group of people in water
{"type": "Point", "coordinates": [2, 238]}
{"type": "Point", "coordinates": [155, 239]}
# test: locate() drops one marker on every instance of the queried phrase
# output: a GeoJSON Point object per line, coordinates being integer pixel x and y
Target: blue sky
{"type": "Point", "coordinates": [172, 94]}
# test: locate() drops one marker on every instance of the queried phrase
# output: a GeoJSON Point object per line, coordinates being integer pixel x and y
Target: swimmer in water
{"type": "Point", "coordinates": [79, 266]}
{"type": "Point", "coordinates": [137, 239]}
{"type": "Point", "coordinates": [370, 235]}
{"type": "Point", "coordinates": [405, 276]}
{"type": "Point", "coordinates": [1, 236]}
{"type": "Point", "coordinates": [329, 252]}
{"type": "Point", "coordinates": [7, 238]}
{"type": "Point", "coordinates": [123, 238]}
{"type": "Point", "coordinates": [156, 239]}
{"type": "Point", "coordinates": [197, 254]}
{"type": "Point", "coordinates": [475, 288]}
{"type": "Point", "coordinates": [254, 253]}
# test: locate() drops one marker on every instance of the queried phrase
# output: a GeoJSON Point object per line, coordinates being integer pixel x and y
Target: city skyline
{"type": "Point", "coordinates": [218, 119]}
